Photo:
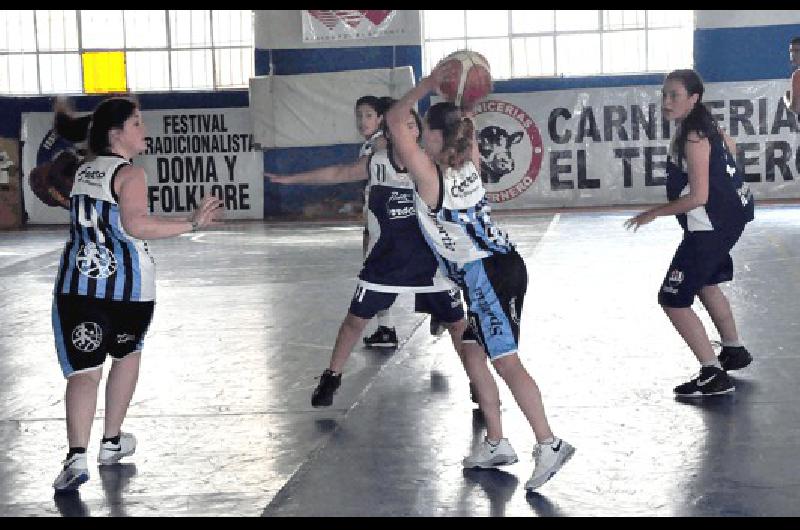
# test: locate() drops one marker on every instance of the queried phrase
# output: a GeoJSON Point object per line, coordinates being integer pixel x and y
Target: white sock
{"type": "Point", "coordinates": [548, 441]}
{"type": "Point", "coordinates": [715, 363]}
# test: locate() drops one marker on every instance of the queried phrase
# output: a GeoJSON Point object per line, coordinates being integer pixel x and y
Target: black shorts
{"type": "Point", "coordinates": [366, 303]}
{"type": "Point", "coordinates": [702, 258]}
{"type": "Point", "coordinates": [87, 329]}
{"type": "Point", "coordinates": [495, 290]}
{"type": "Point", "coordinates": [444, 306]}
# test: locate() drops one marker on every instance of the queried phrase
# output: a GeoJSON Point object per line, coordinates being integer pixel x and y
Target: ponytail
{"type": "Point", "coordinates": [458, 133]}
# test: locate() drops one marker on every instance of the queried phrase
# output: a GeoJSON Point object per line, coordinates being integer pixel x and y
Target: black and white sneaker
{"type": "Point", "coordinates": [734, 357]}
{"type": "Point", "coordinates": [711, 381]}
{"type": "Point", "coordinates": [328, 384]}
{"type": "Point", "coordinates": [382, 338]}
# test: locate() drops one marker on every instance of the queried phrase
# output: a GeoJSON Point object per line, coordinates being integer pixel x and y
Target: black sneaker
{"type": "Point", "coordinates": [734, 357]}
{"type": "Point", "coordinates": [437, 328]}
{"type": "Point", "coordinates": [382, 338]}
{"type": "Point", "coordinates": [323, 394]}
{"type": "Point", "coordinates": [711, 381]}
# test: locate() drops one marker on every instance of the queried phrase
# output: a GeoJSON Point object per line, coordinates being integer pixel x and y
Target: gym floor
{"type": "Point", "coordinates": [245, 320]}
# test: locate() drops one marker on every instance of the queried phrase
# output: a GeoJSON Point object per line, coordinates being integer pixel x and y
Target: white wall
{"type": "Point", "coordinates": [718, 18]}
{"type": "Point", "coordinates": [283, 29]}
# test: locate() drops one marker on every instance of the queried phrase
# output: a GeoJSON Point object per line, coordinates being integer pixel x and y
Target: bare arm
{"type": "Point", "coordinates": [731, 143]}
{"type": "Point", "coordinates": [420, 167]}
{"type": "Point", "coordinates": [698, 151]}
{"type": "Point", "coordinates": [326, 175]}
{"type": "Point", "coordinates": [792, 96]}
{"type": "Point", "coordinates": [131, 188]}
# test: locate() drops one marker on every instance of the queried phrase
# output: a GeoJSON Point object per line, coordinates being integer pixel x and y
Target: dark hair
{"type": "Point", "coordinates": [458, 132]}
{"type": "Point", "coordinates": [795, 40]}
{"type": "Point", "coordinates": [372, 101]}
{"type": "Point", "coordinates": [74, 129]}
{"type": "Point", "coordinates": [699, 118]}
{"type": "Point", "coordinates": [384, 103]}
{"type": "Point", "coordinates": [385, 127]}
{"type": "Point", "coordinates": [109, 114]}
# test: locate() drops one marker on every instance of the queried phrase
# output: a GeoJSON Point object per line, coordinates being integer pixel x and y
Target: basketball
{"type": "Point", "coordinates": [471, 80]}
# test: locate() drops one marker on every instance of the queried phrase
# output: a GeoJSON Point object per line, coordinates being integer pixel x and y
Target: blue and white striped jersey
{"type": "Point", "coordinates": [101, 260]}
{"type": "Point", "coordinates": [460, 229]}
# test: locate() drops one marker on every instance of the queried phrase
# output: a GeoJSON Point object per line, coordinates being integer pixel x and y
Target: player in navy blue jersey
{"type": "Point", "coordinates": [398, 259]}
{"type": "Point", "coordinates": [479, 257]}
{"type": "Point", "coordinates": [712, 203]}
{"type": "Point", "coordinates": [104, 292]}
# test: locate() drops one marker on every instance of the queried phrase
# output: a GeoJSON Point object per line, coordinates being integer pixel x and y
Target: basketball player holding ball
{"type": "Point", "coordinates": [476, 254]}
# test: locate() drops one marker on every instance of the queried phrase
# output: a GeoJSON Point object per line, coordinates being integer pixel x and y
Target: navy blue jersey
{"type": "Point", "coordinates": [398, 257]}
{"type": "Point", "coordinates": [730, 203]}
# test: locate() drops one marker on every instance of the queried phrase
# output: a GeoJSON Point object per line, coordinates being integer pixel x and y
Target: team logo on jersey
{"type": "Point", "coordinates": [400, 205]}
{"type": "Point", "coordinates": [87, 336]}
{"type": "Point", "coordinates": [510, 147]}
{"type": "Point", "coordinates": [96, 261]}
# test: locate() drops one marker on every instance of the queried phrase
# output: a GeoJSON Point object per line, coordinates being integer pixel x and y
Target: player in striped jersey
{"type": "Point", "coordinates": [477, 255]}
{"type": "Point", "coordinates": [398, 259]}
{"type": "Point", "coordinates": [104, 292]}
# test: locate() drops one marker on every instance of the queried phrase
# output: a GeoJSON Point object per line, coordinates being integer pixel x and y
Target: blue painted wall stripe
{"type": "Point", "coordinates": [744, 54]}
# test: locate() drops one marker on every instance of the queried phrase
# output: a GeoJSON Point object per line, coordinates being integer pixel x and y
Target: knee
{"type": "Point", "coordinates": [90, 377]}
{"type": "Point", "coordinates": [508, 366]}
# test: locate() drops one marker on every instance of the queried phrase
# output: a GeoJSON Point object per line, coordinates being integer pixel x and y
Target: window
{"type": "Point", "coordinates": [526, 43]}
{"type": "Point", "coordinates": [102, 51]}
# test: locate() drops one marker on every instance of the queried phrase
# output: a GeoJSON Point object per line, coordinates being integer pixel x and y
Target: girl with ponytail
{"type": "Point", "coordinates": [478, 256]}
{"type": "Point", "coordinates": [712, 204]}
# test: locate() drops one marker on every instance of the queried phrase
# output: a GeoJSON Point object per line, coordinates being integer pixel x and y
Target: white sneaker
{"type": "Point", "coordinates": [549, 458]}
{"type": "Point", "coordinates": [74, 473]}
{"type": "Point", "coordinates": [488, 456]}
{"type": "Point", "coordinates": [112, 453]}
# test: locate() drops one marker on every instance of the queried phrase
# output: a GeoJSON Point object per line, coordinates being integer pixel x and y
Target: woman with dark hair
{"type": "Point", "coordinates": [478, 256]}
{"type": "Point", "coordinates": [397, 260]}
{"type": "Point", "coordinates": [104, 292]}
{"type": "Point", "coordinates": [708, 196]}
{"type": "Point", "coordinates": [792, 96]}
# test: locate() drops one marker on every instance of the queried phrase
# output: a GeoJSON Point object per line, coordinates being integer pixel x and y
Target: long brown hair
{"type": "Point", "coordinates": [458, 132]}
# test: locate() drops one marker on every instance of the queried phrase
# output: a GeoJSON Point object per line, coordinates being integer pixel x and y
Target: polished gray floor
{"type": "Point", "coordinates": [245, 321]}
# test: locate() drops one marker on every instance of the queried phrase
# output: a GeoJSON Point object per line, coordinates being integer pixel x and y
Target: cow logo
{"type": "Point", "coordinates": [87, 336]}
{"type": "Point", "coordinates": [509, 165]}
{"type": "Point", "coordinates": [96, 261]}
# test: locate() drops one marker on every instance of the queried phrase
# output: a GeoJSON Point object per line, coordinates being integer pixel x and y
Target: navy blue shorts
{"type": "Point", "coordinates": [702, 258]}
{"type": "Point", "coordinates": [366, 303]}
{"type": "Point", "coordinates": [445, 306]}
{"type": "Point", "coordinates": [495, 290]}
{"type": "Point", "coordinates": [88, 329]}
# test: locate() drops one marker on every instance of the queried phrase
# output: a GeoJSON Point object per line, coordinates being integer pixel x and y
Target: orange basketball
{"type": "Point", "coordinates": [472, 79]}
